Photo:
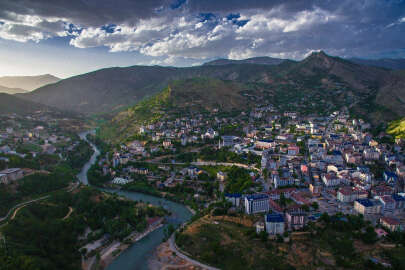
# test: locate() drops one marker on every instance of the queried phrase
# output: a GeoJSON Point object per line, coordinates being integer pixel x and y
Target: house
{"type": "Point", "coordinates": [167, 144]}
{"type": "Point", "coordinates": [296, 220]}
{"type": "Point", "coordinates": [330, 180]}
{"type": "Point", "coordinates": [259, 226]}
{"type": "Point", "coordinates": [265, 144]}
{"type": "Point", "coordinates": [348, 194]}
{"type": "Point", "coordinates": [221, 176]}
{"type": "Point", "coordinates": [399, 201]}
{"type": "Point", "coordinates": [293, 150]}
{"type": "Point", "coordinates": [9, 175]}
{"type": "Point", "coordinates": [256, 203]}
{"type": "Point", "coordinates": [390, 177]}
{"type": "Point", "coordinates": [282, 182]}
{"type": "Point", "coordinates": [315, 189]}
{"type": "Point", "coordinates": [391, 224]}
{"type": "Point", "coordinates": [233, 198]}
{"type": "Point", "coordinates": [388, 202]}
{"type": "Point", "coordinates": [274, 223]}
{"type": "Point", "coordinates": [227, 141]}
{"type": "Point", "coordinates": [367, 206]}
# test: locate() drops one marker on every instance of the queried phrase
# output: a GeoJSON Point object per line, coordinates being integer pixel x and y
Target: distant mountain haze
{"type": "Point", "coordinates": [27, 83]}
{"type": "Point", "coordinates": [11, 91]}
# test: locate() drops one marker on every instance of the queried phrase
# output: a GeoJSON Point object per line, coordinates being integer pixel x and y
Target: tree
{"type": "Point", "coordinates": [315, 206]}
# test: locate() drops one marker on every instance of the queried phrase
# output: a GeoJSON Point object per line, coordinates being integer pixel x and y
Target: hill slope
{"type": "Point", "coordinates": [28, 83]}
{"type": "Point", "coordinates": [179, 98]}
{"type": "Point", "coordinates": [11, 91]}
{"type": "Point", "coordinates": [255, 60]}
{"type": "Point", "coordinates": [13, 104]}
{"type": "Point", "coordinates": [370, 91]}
{"type": "Point", "coordinates": [395, 64]}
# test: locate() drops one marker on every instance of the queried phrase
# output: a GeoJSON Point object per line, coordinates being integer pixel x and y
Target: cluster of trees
{"type": "Point", "coordinates": [79, 155]}
{"type": "Point", "coordinates": [39, 237]}
{"type": "Point", "coordinates": [34, 185]}
{"type": "Point", "coordinates": [239, 180]}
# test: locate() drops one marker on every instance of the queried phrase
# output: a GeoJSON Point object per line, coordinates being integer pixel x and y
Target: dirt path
{"type": "Point", "coordinates": [69, 213]}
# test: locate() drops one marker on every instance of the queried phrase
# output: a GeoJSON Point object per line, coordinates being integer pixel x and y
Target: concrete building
{"type": "Point", "coordinates": [9, 175]}
{"type": "Point", "coordinates": [274, 223]}
{"type": "Point", "coordinates": [256, 203]}
{"type": "Point", "coordinates": [391, 224]}
{"type": "Point", "coordinates": [296, 220]}
{"type": "Point", "coordinates": [367, 206]}
{"type": "Point", "coordinates": [234, 198]}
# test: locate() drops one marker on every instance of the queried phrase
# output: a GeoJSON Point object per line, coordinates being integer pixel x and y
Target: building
{"type": "Point", "coordinates": [296, 220]}
{"type": "Point", "coordinates": [315, 189]}
{"type": "Point", "coordinates": [348, 194]}
{"type": "Point", "coordinates": [390, 178]}
{"type": "Point", "coordinates": [265, 144]}
{"type": "Point", "coordinates": [274, 223]}
{"type": "Point", "coordinates": [259, 227]}
{"type": "Point", "coordinates": [234, 198]}
{"type": "Point", "coordinates": [256, 203]}
{"type": "Point", "coordinates": [399, 201]}
{"type": "Point", "coordinates": [367, 206]}
{"type": "Point", "coordinates": [221, 176]}
{"type": "Point", "coordinates": [330, 180]}
{"type": "Point", "coordinates": [10, 175]}
{"type": "Point", "coordinates": [387, 201]}
{"type": "Point", "coordinates": [391, 224]}
{"type": "Point", "coordinates": [227, 141]}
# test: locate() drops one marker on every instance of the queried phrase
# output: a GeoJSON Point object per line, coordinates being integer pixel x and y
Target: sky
{"type": "Point", "coordinates": [70, 37]}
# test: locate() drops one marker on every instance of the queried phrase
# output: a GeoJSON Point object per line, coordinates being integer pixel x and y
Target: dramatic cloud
{"type": "Point", "coordinates": [192, 29]}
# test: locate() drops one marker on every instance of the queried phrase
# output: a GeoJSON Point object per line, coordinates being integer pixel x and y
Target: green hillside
{"type": "Point", "coordinates": [179, 98]}
{"type": "Point", "coordinates": [397, 128]}
{"type": "Point", "coordinates": [12, 104]}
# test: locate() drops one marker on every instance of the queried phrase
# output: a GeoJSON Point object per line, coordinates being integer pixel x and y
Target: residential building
{"type": "Point", "coordinates": [274, 223]}
{"type": "Point", "coordinates": [10, 175]}
{"type": "Point", "coordinates": [391, 224]}
{"type": "Point", "coordinates": [234, 198]}
{"type": "Point", "coordinates": [256, 203]}
{"type": "Point", "coordinates": [296, 220]}
{"type": "Point", "coordinates": [367, 206]}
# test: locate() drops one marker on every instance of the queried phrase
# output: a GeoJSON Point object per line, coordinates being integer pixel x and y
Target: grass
{"type": "Point", "coordinates": [229, 245]}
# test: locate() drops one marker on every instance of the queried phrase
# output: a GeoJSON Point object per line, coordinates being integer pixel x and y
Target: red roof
{"type": "Point", "coordinates": [390, 221]}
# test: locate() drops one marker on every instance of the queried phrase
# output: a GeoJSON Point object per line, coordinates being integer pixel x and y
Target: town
{"type": "Point", "coordinates": [296, 167]}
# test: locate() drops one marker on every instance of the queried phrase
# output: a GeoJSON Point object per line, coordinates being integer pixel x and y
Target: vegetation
{"type": "Point", "coordinates": [32, 186]}
{"type": "Point", "coordinates": [40, 238]}
{"type": "Point", "coordinates": [397, 128]}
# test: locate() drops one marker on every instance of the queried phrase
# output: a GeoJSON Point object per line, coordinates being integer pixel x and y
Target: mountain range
{"type": "Point", "coordinates": [13, 104]}
{"type": "Point", "coordinates": [21, 84]}
{"type": "Point", "coordinates": [114, 89]}
{"type": "Point", "coordinates": [388, 63]}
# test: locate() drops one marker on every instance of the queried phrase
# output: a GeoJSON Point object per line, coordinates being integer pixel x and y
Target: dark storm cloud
{"type": "Point", "coordinates": [212, 28]}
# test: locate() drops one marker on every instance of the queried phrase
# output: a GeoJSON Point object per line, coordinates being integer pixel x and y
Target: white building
{"type": "Point", "coordinates": [274, 223]}
{"type": "Point", "coordinates": [256, 203]}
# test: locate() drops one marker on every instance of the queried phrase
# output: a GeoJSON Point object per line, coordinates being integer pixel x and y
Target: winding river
{"type": "Point", "coordinates": [136, 257]}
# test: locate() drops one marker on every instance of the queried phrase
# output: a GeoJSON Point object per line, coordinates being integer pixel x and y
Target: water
{"type": "Point", "coordinates": [136, 257]}
{"type": "Point", "coordinates": [83, 173]}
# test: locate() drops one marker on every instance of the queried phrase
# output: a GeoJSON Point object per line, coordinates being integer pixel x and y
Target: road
{"type": "Point", "coordinates": [14, 210]}
{"type": "Point", "coordinates": [175, 249]}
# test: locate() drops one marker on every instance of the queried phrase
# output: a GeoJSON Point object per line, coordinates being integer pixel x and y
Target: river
{"type": "Point", "coordinates": [136, 257]}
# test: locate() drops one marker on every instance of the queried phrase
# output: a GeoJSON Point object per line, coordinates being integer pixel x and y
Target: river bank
{"type": "Point", "coordinates": [136, 254]}
{"type": "Point", "coordinates": [109, 252]}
